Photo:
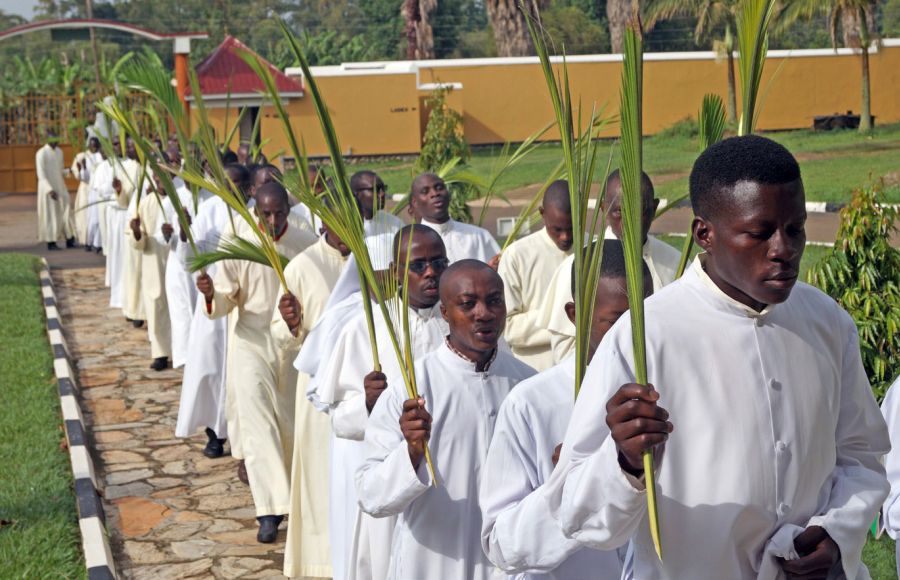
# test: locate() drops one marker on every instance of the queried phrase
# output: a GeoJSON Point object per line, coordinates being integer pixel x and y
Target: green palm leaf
{"type": "Point", "coordinates": [753, 43]}
{"type": "Point", "coordinates": [235, 248]}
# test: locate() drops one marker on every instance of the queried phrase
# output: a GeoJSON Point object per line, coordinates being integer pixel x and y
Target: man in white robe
{"type": "Point", "coordinates": [54, 206]}
{"type": "Point", "coordinates": [83, 168]}
{"type": "Point", "coordinates": [429, 204]}
{"type": "Point", "coordinates": [890, 409]}
{"type": "Point", "coordinates": [527, 267]}
{"type": "Point", "coordinates": [154, 255]}
{"type": "Point", "coordinates": [311, 276]}
{"type": "Point", "coordinates": [132, 257]}
{"type": "Point", "coordinates": [264, 380]}
{"type": "Point", "coordinates": [120, 189]}
{"type": "Point", "coordinates": [348, 388]}
{"type": "Point", "coordinates": [461, 386]}
{"type": "Point", "coordinates": [766, 437]}
{"type": "Point", "coordinates": [519, 534]}
{"type": "Point", "coordinates": [661, 258]}
{"type": "Point", "coordinates": [100, 196]}
{"type": "Point", "coordinates": [371, 192]}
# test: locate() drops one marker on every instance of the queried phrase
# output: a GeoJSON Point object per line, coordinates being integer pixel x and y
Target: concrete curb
{"type": "Point", "coordinates": [91, 519]}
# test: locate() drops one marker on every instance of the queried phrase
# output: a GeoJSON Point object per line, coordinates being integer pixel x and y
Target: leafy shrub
{"type": "Point", "coordinates": [862, 273]}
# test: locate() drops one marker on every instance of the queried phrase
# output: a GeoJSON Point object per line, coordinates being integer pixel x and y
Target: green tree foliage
{"type": "Point", "coordinates": [863, 274]}
{"type": "Point", "coordinates": [573, 29]}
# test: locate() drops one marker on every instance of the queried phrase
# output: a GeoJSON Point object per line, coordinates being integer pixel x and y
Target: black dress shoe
{"type": "Point", "coordinates": [137, 323]}
{"type": "Point", "coordinates": [215, 447]}
{"type": "Point", "coordinates": [52, 246]}
{"type": "Point", "coordinates": [98, 250]}
{"type": "Point", "coordinates": [268, 528]}
{"type": "Point", "coordinates": [88, 248]}
{"type": "Point", "coordinates": [242, 473]}
{"type": "Point", "coordinates": [160, 364]}
{"type": "Point", "coordinates": [70, 243]}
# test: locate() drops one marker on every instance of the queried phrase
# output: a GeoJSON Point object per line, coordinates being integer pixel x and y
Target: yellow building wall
{"type": "Point", "coordinates": [381, 114]}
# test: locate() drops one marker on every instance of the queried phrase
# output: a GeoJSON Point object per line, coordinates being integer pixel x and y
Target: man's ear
{"type": "Point", "coordinates": [704, 233]}
{"type": "Point", "coordinates": [656, 201]}
{"type": "Point", "coordinates": [444, 312]}
{"type": "Point", "coordinates": [570, 311]}
{"type": "Point", "coordinates": [541, 210]}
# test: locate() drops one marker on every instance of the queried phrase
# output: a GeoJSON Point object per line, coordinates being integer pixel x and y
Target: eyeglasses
{"type": "Point", "coordinates": [437, 264]}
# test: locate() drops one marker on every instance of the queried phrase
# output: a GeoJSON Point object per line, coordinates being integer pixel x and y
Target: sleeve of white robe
{"type": "Point", "coordinates": [227, 294]}
{"type": "Point", "coordinates": [522, 328]}
{"type": "Point", "coordinates": [890, 409]}
{"type": "Point", "coordinates": [282, 335]}
{"type": "Point", "coordinates": [518, 530]}
{"type": "Point", "coordinates": [858, 481]}
{"type": "Point", "coordinates": [599, 504]}
{"type": "Point", "coordinates": [386, 482]}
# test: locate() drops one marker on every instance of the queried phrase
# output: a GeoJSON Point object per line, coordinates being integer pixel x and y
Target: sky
{"type": "Point", "coordinates": [21, 7]}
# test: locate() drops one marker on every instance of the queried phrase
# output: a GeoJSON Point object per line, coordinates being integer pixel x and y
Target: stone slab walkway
{"type": "Point", "coordinates": [171, 512]}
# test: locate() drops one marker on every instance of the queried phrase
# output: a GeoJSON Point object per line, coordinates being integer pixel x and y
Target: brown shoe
{"type": "Point", "coordinates": [242, 473]}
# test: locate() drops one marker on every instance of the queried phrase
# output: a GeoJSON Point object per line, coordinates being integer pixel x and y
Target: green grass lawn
{"type": "Point", "coordinates": [833, 162]}
{"type": "Point", "coordinates": [39, 536]}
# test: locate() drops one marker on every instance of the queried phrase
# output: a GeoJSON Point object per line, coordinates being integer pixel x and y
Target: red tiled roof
{"type": "Point", "coordinates": [224, 71]}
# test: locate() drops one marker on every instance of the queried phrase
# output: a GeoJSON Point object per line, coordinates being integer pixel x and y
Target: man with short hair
{"type": "Point", "coordinates": [461, 385]}
{"type": "Point", "coordinates": [661, 258]}
{"type": "Point", "coordinates": [263, 378]}
{"type": "Point", "coordinates": [82, 168]}
{"type": "Point", "coordinates": [429, 204]}
{"type": "Point", "coordinates": [527, 267]}
{"type": "Point", "coordinates": [371, 193]}
{"type": "Point", "coordinates": [53, 204]}
{"type": "Point", "coordinates": [519, 534]}
{"type": "Point", "coordinates": [132, 257]}
{"type": "Point", "coordinates": [766, 437]}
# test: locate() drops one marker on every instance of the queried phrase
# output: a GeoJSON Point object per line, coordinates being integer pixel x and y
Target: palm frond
{"type": "Point", "coordinates": [753, 43]}
{"type": "Point", "coordinates": [529, 214]}
{"type": "Point", "coordinates": [233, 248]}
{"type": "Point", "coordinates": [631, 111]}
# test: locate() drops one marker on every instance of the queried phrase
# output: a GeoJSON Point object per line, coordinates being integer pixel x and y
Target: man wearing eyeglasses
{"type": "Point", "coordinates": [370, 192]}
{"type": "Point", "coordinates": [347, 384]}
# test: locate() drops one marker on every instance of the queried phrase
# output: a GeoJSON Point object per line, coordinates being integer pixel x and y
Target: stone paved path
{"type": "Point", "coordinates": [171, 512]}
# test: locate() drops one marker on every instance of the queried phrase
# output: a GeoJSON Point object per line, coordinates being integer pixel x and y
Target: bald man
{"type": "Point", "coordinates": [461, 385]}
{"type": "Point", "coordinates": [527, 267]}
{"type": "Point", "coordinates": [429, 204]}
{"type": "Point", "coordinates": [262, 378]}
{"type": "Point", "coordinates": [661, 258]}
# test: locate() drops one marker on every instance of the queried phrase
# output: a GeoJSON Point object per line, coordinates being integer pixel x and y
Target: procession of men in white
{"type": "Point", "coordinates": [769, 447]}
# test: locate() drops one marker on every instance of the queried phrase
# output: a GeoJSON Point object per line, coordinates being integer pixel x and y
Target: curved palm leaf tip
{"type": "Point", "coordinates": [579, 167]}
{"type": "Point", "coordinates": [337, 208]}
{"type": "Point", "coordinates": [753, 43]}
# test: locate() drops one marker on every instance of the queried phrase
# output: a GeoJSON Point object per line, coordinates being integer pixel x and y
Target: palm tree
{"type": "Point", "coordinates": [711, 15]}
{"type": "Point", "coordinates": [417, 28]}
{"type": "Point", "coordinates": [618, 12]}
{"type": "Point", "coordinates": [856, 19]}
{"type": "Point", "coordinates": [510, 30]}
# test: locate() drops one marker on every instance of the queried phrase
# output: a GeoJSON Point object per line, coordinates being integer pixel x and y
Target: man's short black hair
{"type": "Point", "coordinates": [229, 157]}
{"type": "Point", "coordinates": [749, 158]}
{"type": "Point", "coordinates": [612, 263]}
{"type": "Point", "coordinates": [357, 177]}
{"type": "Point", "coordinates": [243, 175]}
{"type": "Point", "coordinates": [255, 168]}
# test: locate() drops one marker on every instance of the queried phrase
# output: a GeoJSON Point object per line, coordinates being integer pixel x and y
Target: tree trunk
{"type": "Point", "coordinates": [510, 29]}
{"type": "Point", "coordinates": [617, 14]}
{"type": "Point", "coordinates": [89, 10]}
{"type": "Point", "coordinates": [732, 90]}
{"type": "Point", "coordinates": [417, 28]}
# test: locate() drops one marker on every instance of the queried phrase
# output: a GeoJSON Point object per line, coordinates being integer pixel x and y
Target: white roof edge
{"type": "Point", "coordinates": [411, 66]}
{"type": "Point", "coordinates": [243, 96]}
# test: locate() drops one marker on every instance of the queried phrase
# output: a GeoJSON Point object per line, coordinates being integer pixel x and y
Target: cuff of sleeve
{"type": "Point", "coordinates": [350, 417]}
{"type": "Point", "coordinates": [411, 483]}
{"type": "Point", "coordinates": [609, 457]}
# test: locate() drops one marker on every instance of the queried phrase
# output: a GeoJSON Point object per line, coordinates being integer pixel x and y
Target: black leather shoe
{"type": "Point", "coordinates": [215, 447]}
{"type": "Point", "coordinates": [88, 248]}
{"type": "Point", "coordinates": [52, 246]}
{"type": "Point", "coordinates": [160, 364]}
{"type": "Point", "coordinates": [268, 528]}
{"type": "Point", "coordinates": [70, 243]}
{"type": "Point", "coordinates": [98, 250]}
{"type": "Point", "coordinates": [137, 323]}
{"type": "Point", "coordinates": [242, 473]}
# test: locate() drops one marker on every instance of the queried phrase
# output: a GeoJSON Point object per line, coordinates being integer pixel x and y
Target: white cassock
{"type": "Point", "coordinates": [262, 377]}
{"type": "Point", "coordinates": [890, 409]}
{"type": "Point", "coordinates": [361, 544]}
{"type": "Point", "coordinates": [662, 261]}
{"type": "Point", "coordinates": [527, 267]}
{"type": "Point", "coordinates": [203, 400]}
{"type": "Point", "coordinates": [118, 217]}
{"type": "Point", "coordinates": [465, 241]}
{"type": "Point", "coordinates": [519, 533]}
{"type": "Point", "coordinates": [55, 220]}
{"type": "Point", "coordinates": [181, 289]}
{"type": "Point", "coordinates": [438, 533]}
{"type": "Point", "coordinates": [132, 259]}
{"type": "Point", "coordinates": [310, 276]}
{"type": "Point", "coordinates": [300, 210]}
{"type": "Point", "coordinates": [153, 256]}
{"type": "Point", "coordinates": [99, 198]}
{"type": "Point", "coordinates": [83, 195]}
{"type": "Point", "coordinates": [776, 429]}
